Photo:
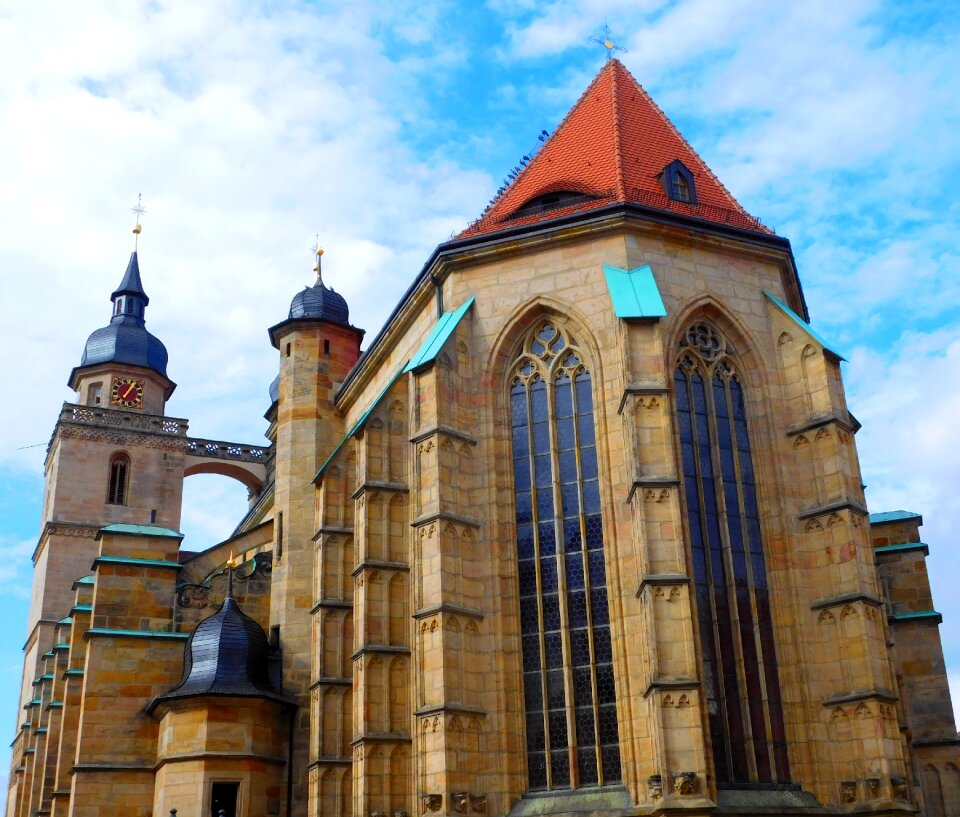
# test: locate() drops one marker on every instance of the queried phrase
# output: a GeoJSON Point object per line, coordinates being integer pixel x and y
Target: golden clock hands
{"type": "Point", "coordinates": [126, 394]}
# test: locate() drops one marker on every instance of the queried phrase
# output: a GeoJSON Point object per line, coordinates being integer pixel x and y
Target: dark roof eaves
{"type": "Point", "coordinates": [547, 225]}
{"type": "Point", "coordinates": [273, 330]}
{"type": "Point", "coordinates": [276, 697]}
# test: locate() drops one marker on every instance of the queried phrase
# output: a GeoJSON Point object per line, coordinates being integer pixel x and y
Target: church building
{"type": "Point", "coordinates": [580, 531]}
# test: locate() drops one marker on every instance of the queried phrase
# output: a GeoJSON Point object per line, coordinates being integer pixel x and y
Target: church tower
{"type": "Point", "coordinates": [318, 348]}
{"type": "Point", "coordinates": [111, 458]}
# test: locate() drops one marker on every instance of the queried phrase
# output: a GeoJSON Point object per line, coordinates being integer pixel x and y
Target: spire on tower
{"type": "Point", "coordinates": [318, 254]}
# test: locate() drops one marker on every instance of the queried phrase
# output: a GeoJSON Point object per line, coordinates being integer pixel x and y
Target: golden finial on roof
{"type": "Point", "coordinates": [318, 253]}
{"type": "Point", "coordinates": [231, 564]}
{"type": "Point", "coordinates": [139, 210]}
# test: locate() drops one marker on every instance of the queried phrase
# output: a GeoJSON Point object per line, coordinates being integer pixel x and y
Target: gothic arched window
{"type": "Point", "coordinates": [570, 702]}
{"type": "Point", "coordinates": [119, 479]}
{"type": "Point", "coordinates": [740, 679]}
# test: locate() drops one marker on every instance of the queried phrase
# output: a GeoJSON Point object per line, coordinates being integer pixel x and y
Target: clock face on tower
{"type": "Point", "coordinates": [126, 392]}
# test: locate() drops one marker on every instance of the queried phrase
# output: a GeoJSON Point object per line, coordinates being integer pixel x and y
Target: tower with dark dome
{"type": "Point", "coordinates": [318, 348]}
{"type": "Point", "coordinates": [229, 720]}
{"type": "Point", "coordinates": [123, 365]}
{"type": "Point", "coordinates": [113, 459]}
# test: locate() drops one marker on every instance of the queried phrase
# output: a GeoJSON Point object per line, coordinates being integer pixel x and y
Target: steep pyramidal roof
{"type": "Point", "coordinates": [611, 148]}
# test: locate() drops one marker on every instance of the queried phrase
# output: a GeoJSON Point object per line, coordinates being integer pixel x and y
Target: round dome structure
{"type": "Point", "coordinates": [227, 654]}
{"type": "Point", "coordinates": [125, 339]}
{"type": "Point", "coordinates": [320, 303]}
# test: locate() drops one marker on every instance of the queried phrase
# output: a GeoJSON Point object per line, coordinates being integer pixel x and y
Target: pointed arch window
{"type": "Point", "coordinates": [119, 479]}
{"type": "Point", "coordinates": [569, 695]}
{"type": "Point", "coordinates": [740, 676]}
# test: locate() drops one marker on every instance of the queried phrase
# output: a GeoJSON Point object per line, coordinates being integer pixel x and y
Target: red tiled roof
{"type": "Point", "coordinates": [610, 148]}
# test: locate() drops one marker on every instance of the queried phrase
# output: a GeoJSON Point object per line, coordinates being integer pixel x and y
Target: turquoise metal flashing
{"type": "Point", "coordinates": [73, 673]}
{"type": "Point", "coordinates": [106, 631]}
{"type": "Point", "coordinates": [438, 336]}
{"type": "Point", "coordinates": [139, 530]}
{"type": "Point", "coordinates": [892, 516]}
{"type": "Point", "coordinates": [906, 546]}
{"type": "Point", "coordinates": [923, 614]}
{"type": "Point", "coordinates": [634, 292]}
{"type": "Point", "coordinates": [357, 426]}
{"type": "Point", "coordinates": [82, 608]}
{"type": "Point", "coordinates": [122, 560]}
{"type": "Point", "coordinates": [806, 327]}
{"type": "Point", "coordinates": [65, 621]}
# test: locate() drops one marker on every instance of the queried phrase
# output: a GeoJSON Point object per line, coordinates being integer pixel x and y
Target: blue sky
{"type": "Point", "coordinates": [250, 127]}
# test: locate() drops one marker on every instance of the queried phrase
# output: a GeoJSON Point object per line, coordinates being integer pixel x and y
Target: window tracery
{"type": "Point", "coordinates": [570, 700]}
{"type": "Point", "coordinates": [740, 676]}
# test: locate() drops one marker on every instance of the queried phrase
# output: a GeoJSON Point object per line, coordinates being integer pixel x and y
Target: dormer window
{"type": "Point", "coordinates": [677, 182]}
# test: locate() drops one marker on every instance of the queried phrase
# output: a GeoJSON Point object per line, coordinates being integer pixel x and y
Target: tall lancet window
{"type": "Point", "coordinates": [570, 701]}
{"type": "Point", "coordinates": [740, 679]}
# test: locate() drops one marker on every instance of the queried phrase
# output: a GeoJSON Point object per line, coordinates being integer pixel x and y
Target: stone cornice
{"type": "Point", "coordinates": [446, 431]}
{"type": "Point", "coordinates": [445, 516]}
{"type": "Point", "coordinates": [444, 607]}
{"type": "Point", "coordinates": [846, 598]}
{"type": "Point", "coordinates": [641, 390]}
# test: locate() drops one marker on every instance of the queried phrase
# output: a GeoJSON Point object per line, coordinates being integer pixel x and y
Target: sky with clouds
{"type": "Point", "coordinates": [251, 127]}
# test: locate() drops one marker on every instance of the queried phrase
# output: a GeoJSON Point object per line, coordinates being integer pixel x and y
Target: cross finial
{"type": "Point", "coordinates": [317, 253]}
{"type": "Point", "coordinates": [608, 43]}
{"type": "Point", "coordinates": [139, 210]}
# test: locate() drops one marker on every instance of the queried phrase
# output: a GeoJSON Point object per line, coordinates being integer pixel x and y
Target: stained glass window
{"type": "Point", "coordinates": [732, 599]}
{"type": "Point", "coordinates": [569, 694]}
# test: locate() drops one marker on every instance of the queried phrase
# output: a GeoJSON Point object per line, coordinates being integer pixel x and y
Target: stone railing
{"type": "Point", "coordinates": [220, 450]}
{"type": "Point", "coordinates": [168, 426]}
{"type": "Point", "coordinates": [117, 418]}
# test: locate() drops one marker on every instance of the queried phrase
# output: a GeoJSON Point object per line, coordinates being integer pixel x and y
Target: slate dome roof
{"type": "Point", "coordinates": [321, 303]}
{"type": "Point", "coordinates": [227, 654]}
{"type": "Point", "coordinates": [275, 390]}
{"type": "Point", "coordinates": [125, 339]}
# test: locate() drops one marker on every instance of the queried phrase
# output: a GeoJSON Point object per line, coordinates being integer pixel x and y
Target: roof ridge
{"type": "Point", "coordinates": [617, 152]}
{"type": "Point", "coordinates": [704, 166]}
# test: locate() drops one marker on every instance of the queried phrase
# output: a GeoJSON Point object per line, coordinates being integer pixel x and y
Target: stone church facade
{"type": "Point", "coordinates": [581, 530]}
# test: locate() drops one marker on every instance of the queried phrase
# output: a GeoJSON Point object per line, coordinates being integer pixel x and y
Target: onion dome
{"type": "Point", "coordinates": [275, 390]}
{"type": "Point", "coordinates": [316, 303]}
{"type": "Point", "coordinates": [227, 654]}
{"type": "Point", "coordinates": [319, 302]}
{"type": "Point", "coordinates": [125, 339]}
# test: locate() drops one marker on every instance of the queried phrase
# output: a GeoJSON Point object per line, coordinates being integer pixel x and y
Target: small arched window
{"type": "Point", "coordinates": [678, 183]}
{"type": "Point", "coordinates": [117, 489]}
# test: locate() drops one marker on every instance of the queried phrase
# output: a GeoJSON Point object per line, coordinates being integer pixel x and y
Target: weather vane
{"type": "Point", "coordinates": [317, 252]}
{"type": "Point", "coordinates": [607, 42]}
{"type": "Point", "coordinates": [139, 210]}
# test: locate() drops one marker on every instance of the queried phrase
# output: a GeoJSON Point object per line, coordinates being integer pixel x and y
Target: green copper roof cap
{"type": "Point", "coordinates": [65, 621]}
{"type": "Point", "coordinates": [139, 530]}
{"type": "Point", "coordinates": [806, 327]}
{"type": "Point", "coordinates": [84, 580]}
{"type": "Point", "coordinates": [634, 292]}
{"type": "Point", "coordinates": [438, 336]}
{"type": "Point", "coordinates": [893, 516]}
